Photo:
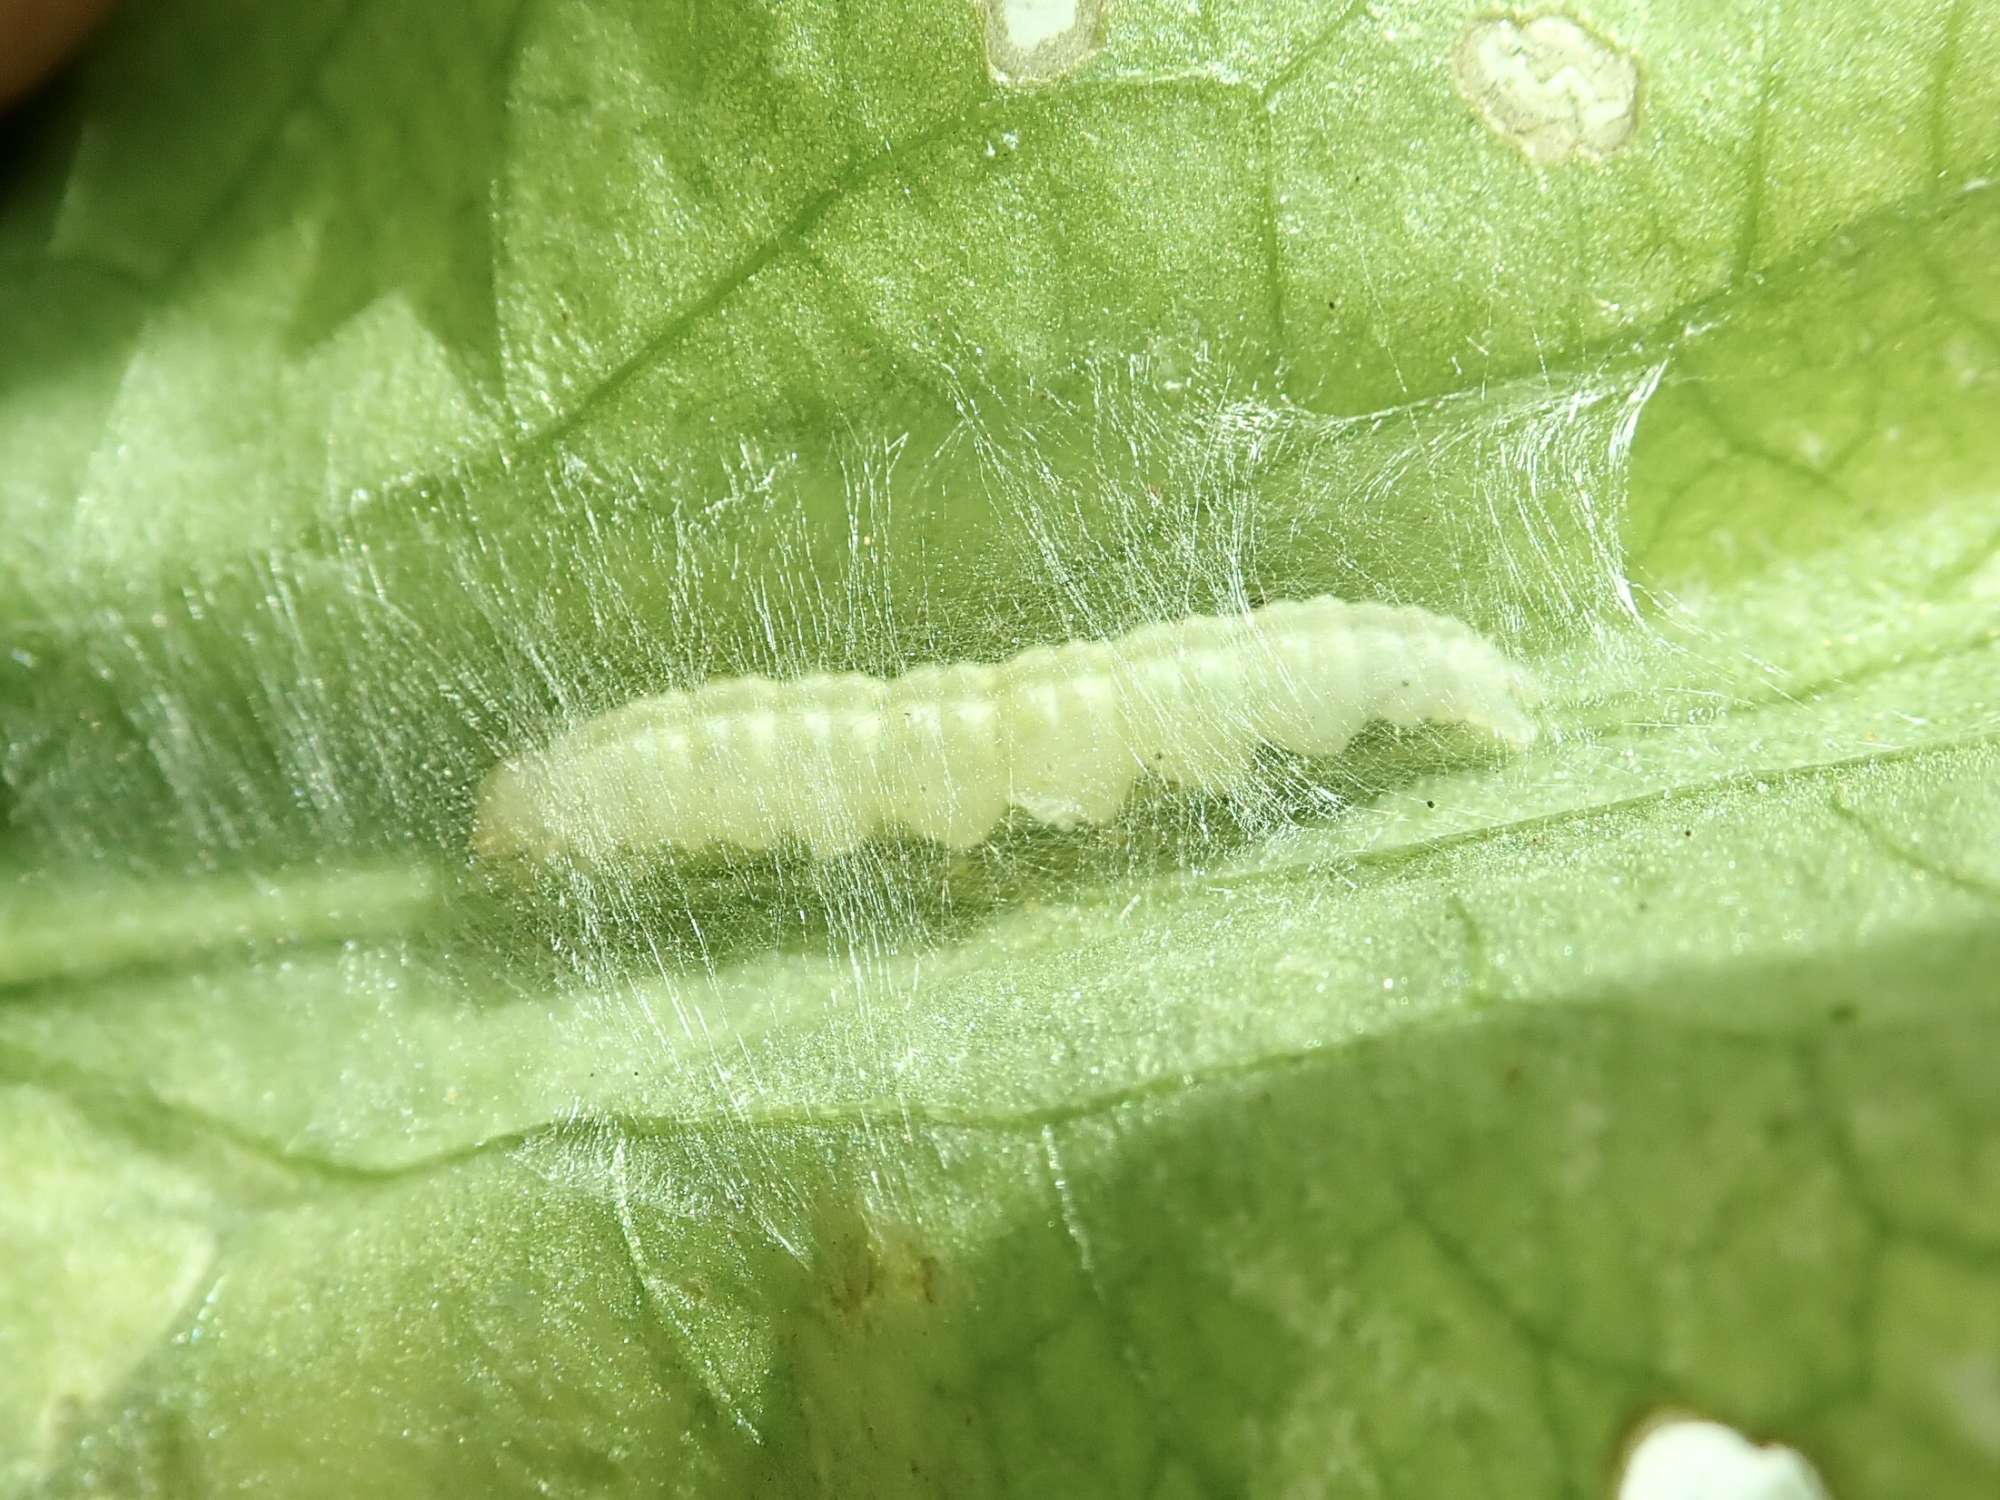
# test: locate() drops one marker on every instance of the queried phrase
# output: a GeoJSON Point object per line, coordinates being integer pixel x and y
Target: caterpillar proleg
{"type": "Point", "coordinates": [944, 751]}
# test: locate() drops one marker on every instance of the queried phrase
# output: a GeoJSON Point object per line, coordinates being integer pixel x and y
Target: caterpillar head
{"type": "Point", "coordinates": [515, 819]}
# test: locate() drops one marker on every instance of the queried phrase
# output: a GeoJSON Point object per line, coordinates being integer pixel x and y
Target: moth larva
{"type": "Point", "coordinates": [942, 752]}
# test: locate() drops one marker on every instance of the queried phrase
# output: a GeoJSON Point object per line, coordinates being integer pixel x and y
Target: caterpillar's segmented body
{"type": "Point", "coordinates": [943, 752]}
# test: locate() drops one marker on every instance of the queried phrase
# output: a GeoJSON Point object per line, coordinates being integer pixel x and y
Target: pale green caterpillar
{"type": "Point", "coordinates": [943, 752]}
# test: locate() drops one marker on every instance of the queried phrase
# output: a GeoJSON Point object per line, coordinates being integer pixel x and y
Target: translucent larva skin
{"type": "Point", "coordinates": [943, 752]}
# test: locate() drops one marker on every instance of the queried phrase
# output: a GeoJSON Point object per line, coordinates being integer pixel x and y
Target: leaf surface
{"type": "Point", "coordinates": [384, 386]}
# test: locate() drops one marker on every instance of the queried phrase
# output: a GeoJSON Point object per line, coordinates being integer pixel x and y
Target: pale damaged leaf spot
{"type": "Point", "coordinates": [1683, 1458]}
{"type": "Point", "coordinates": [1549, 84]}
{"type": "Point", "coordinates": [1971, 1388]}
{"type": "Point", "coordinates": [1036, 41]}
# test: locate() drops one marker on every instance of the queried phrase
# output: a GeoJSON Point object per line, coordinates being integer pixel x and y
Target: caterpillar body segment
{"type": "Point", "coordinates": [945, 751]}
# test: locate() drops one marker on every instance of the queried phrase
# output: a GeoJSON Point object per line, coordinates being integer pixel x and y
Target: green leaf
{"type": "Point", "coordinates": [384, 386]}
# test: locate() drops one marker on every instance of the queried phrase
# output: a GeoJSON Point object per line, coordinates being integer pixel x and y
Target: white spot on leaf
{"type": "Point", "coordinates": [1550, 85]}
{"type": "Point", "coordinates": [1686, 1459]}
{"type": "Point", "coordinates": [1034, 41]}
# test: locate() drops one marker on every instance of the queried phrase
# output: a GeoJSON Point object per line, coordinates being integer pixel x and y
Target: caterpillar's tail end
{"type": "Point", "coordinates": [1510, 719]}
